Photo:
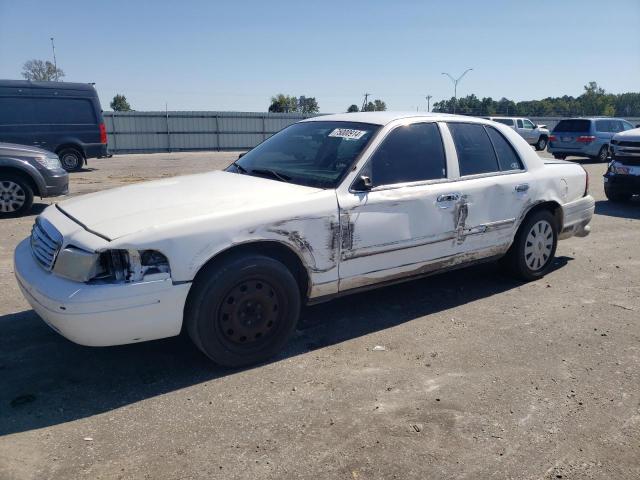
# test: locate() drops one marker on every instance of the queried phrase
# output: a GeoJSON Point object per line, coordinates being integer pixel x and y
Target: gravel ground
{"type": "Point", "coordinates": [479, 377]}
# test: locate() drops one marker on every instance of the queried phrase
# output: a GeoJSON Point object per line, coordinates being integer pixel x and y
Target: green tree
{"type": "Point", "coordinates": [120, 104]}
{"type": "Point", "coordinates": [353, 108]}
{"type": "Point", "coordinates": [308, 105]}
{"type": "Point", "coordinates": [283, 104]}
{"type": "Point", "coordinates": [43, 71]}
{"type": "Point", "coordinates": [375, 106]}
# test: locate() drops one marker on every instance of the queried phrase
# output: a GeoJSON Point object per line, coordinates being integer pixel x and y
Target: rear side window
{"type": "Point", "coordinates": [604, 126]}
{"type": "Point", "coordinates": [15, 111]}
{"type": "Point", "coordinates": [410, 153]}
{"type": "Point", "coordinates": [507, 156]}
{"type": "Point", "coordinates": [520, 124]}
{"type": "Point", "coordinates": [573, 125]}
{"type": "Point", "coordinates": [506, 121]}
{"type": "Point", "coordinates": [63, 111]}
{"type": "Point", "coordinates": [475, 151]}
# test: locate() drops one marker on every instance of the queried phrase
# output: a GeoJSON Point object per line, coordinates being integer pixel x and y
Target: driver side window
{"type": "Point", "coordinates": [410, 153]}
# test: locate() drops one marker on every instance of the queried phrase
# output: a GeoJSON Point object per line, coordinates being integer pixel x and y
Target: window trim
{"type": "Point", "coordinates": [519, 120]}
{"type": "Point", "coordinates": [486, 174]}
{"type": "Point", "coordinates": [486, 128]}
{"type": "Point", "coordinates": [416, 183]}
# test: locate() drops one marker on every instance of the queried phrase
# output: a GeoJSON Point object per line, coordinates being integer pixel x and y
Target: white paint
{"type": "Point", "coordinates": [345, 239]}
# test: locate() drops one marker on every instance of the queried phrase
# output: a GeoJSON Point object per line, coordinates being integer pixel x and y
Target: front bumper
{"type": "Point", "coordinates": [101, 314]}
{"type": "Point", "coordinates": [622, 184]}
{"type": "Point", "coordinates": [576, 216]}
{"type": "Point", "coordinates": [56, 182]}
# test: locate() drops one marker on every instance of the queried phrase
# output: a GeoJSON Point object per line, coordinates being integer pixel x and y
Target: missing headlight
{"type": "Point", "coordinates": [131, 265]}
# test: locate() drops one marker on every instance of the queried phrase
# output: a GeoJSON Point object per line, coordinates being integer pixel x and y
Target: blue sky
{"type": "Point", "coordinates": [215, 55]}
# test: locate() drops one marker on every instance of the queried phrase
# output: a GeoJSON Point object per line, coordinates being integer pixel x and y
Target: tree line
{"type": "Point", "coordinates": [594, 101]}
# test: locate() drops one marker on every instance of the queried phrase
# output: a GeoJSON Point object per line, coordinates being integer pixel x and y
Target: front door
{"type": "Point", "coordinates": [404, 222]}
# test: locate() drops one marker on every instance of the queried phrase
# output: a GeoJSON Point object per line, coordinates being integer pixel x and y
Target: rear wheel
{"type": "Point", "coordinates": [534, 247]}
{"type": "Point", "coordinates": [243, 310]}
{"type": "Point", "coordinates": [16, 196]}
{"type": "Point", "coordinates": [541, 144]}
{"type": "Point", "coordinates": [559, 156]}
{"type": "Point", "coordinates": [71, 159]}
{"type": "Point", "coordinates": [603, 154]}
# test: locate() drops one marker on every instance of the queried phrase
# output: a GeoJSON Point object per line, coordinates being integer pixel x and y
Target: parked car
{"type": "Point", "coordinates": [585, 137]}
{"type": "Point", "coordinates": [64, 118]}
{"type": "Point", "coordinates": [26, 172]}
{"type": "Point", "coordinates": [536, 135]}
{"type": "Point", "coordinates": [622, 179]}
{"type": "Point", "coordinates": [328, 206]}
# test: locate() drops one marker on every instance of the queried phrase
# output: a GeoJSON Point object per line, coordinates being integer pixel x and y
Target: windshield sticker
{"type": "Point", "coordinates": [348, 133]}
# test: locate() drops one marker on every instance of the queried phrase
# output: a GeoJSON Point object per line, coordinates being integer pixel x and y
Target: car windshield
{"type": "Point", "coordinates": [315, 154]}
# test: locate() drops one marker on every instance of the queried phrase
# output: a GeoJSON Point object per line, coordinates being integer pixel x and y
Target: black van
{"type": "Point", "coordinates": [65, 118]}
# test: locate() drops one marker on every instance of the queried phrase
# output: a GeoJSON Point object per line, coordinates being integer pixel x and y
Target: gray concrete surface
{"type": "Point", "coordinates": [480, 377]}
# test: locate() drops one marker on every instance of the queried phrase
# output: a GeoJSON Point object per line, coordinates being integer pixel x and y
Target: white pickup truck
{"type": "Point", "coordinates": [536, 135]}
{"type": "Point", "coordinates": [326, 207]}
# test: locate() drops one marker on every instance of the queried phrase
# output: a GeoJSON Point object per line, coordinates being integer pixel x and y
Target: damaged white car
{"type": "Point", "coordinates": [326, 207]}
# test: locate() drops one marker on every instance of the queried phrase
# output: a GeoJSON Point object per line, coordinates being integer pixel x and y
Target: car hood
{"type": "Point", "coordinates": [121, 211]}
{"type": "Point", "coordinates": [10, 149]}
{"type": "Point", "coordinates": [629, 135]}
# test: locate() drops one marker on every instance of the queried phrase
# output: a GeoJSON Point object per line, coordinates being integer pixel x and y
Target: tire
{"type": "Point", "coordinates": [541, 144]}
{"type": "Point", "coordinates": [559, 156]}
{"type": "Point", "coordinates": [71, 159]}
{"type": "Point", "coordinates": [16, 196]}
{"type": "Point", "coordinates": [534, 246]}
{"type": "Point", "coordinates": [616, 197]}
{"type": "Point", "coordinates": [243, 310]}
{"type": "Point", "coordinates": [603, 154]}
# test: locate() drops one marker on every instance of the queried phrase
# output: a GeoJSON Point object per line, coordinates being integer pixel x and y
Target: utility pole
{"type": "Point", "coordinates": [364, 104]}
{"type": "Point", "coordinates": [455, 86]}
{"type": "Point", "coordinates": [55, 63]}
{"type": "Point", "coordinates": [429, 97]}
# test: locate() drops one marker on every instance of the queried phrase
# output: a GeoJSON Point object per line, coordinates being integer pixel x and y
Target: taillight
{"type": "Point", "coordinates": [552, 138]}
{"type": "Point", "coordinates": [586, 182]}
{"type": "Point", "coordinates": [103, 133]}
{"type": "Point", "coordinates": [585, 139]}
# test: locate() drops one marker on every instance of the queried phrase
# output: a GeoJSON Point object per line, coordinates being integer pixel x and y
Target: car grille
{"type": "Point", "coordinates": [45, 243]}
{"type": "Point", "coordinates": [627, 143]}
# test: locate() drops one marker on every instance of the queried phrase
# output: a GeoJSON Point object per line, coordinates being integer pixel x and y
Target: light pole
{"type": "Point", "coordinates": [455, 86]}
{"type": "Point", "coordinates": [55, 64]}
{"type": "Point", "coordinates": [429, 97]}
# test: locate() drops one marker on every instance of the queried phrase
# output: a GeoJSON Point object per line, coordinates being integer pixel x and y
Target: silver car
{"type": "Point", "coordinates": [536, 135]}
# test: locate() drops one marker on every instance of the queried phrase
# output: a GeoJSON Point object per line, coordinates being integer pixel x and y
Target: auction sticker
{"type": "Point", "coordinates": [348, 133]}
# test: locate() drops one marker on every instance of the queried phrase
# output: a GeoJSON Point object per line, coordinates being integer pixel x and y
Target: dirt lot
{"type": "Point", "coordinates": [480, 376]}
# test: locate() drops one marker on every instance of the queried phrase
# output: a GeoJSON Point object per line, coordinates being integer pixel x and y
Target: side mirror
{"type": "Point", "coordinates": [241, 155]}
{"type": "Point", "coordinates": [638, 126]}
{"type": "Point", "coordinates": [363, 184]}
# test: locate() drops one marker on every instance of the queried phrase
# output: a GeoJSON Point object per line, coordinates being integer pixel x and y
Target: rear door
{"type": "Point", "coordinates": [493, 185]}
{"type": "Point", "coordinates": [570, 134]}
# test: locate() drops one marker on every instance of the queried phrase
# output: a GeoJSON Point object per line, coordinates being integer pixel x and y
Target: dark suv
{"type": "Point", "coordinates": [65, 118]}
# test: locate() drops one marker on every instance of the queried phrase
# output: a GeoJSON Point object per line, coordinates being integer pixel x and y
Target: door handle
{"type": "Point", "coordinates": [523, 187]}
{"type": "Point", "coordinates": [448, 197]}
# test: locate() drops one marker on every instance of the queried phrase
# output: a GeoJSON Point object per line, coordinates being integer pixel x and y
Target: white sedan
{"type": "Point", "coordinates": [326, 207]}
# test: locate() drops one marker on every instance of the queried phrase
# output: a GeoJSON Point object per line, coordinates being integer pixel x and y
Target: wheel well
{"type": "Point", "coordinates": [272, 249]}
{"type": "Point", "coordinates": [545, 136]}
{"type": "Point", "coordinates": [25, 176]}
{"type": "Point", "coordinates": [551, 206]}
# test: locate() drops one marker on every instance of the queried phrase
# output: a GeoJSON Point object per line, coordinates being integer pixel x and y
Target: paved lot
{"type": "Point", "coordinates": [481, 376]}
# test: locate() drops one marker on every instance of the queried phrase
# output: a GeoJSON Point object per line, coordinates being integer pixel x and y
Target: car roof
{"type": "Point", "coordinates": [383, 118]}
{"type": "Point", "coordinates": [56, 85]}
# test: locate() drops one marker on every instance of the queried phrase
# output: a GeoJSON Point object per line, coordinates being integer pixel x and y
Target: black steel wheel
{"type": "Point", "coordinates": [242, 310]}
{"type": "Point", "coordinates": [71, 159]}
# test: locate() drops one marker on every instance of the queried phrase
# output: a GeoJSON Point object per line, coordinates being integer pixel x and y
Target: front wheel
{"type": "Point", "coordinates": [16, 196]}
{"type": "Point", "coordinates": [541, 144]}
{"type": "Point", "coordinates": [534, 246]}
{"type": "Point", "coordinates": [243, 310]}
